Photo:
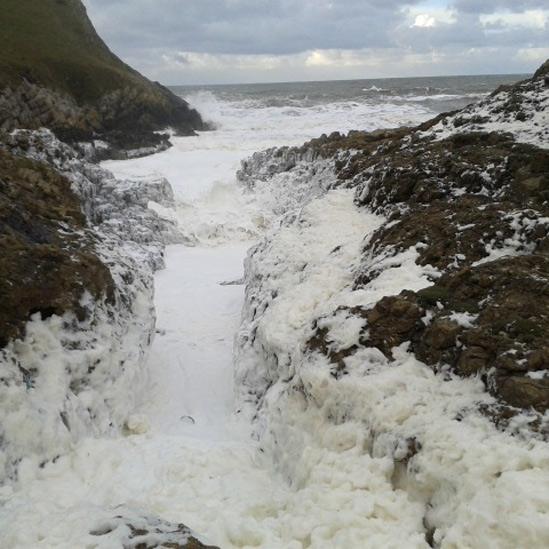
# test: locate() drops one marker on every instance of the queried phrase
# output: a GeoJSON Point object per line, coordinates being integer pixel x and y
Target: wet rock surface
{"type": "Point", "coordinates": [76, 291]}
{"type": "Point", "coordinates": [135, 531]}
{"type": "Point", "coordinates": [76, 313]}
{"type": "Point", "coordinates": [48, 261]}
{"type": "Point", "coordinates": [468, 194]}
{"type": "Point", "coordinates": [490, 320]}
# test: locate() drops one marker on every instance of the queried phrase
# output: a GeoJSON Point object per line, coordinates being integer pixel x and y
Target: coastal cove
{"type": "Point", "coordinates": [230, 446]}
{"type": "Point", "coordinates": [293, 315]}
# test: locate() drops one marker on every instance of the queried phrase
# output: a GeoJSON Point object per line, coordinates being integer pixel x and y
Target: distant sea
{"type": "Point", "coordinates": [310, 108]}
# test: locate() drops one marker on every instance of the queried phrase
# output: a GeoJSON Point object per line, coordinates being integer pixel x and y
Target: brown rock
{"type": "Point", "coordinates": [524, 392]}
{"type": "Point", "coordinates": [393, 321]}
{"type": "Point", "coordinates": [43, 269]}
{"type": "Point", "coordinates": [538, 360]}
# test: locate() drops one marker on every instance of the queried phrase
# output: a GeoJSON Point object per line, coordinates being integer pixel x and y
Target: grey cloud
{"type": "Point", "coordinates": [482, 6]}
{"type": "Point", "coordinates": [245, 26]}
{"type": "Point", "coordinates": [467, 32]}
{"type": "Point", "coordinates": [144, 32]}
{"type": "Point", "coordinates": [181, 58]}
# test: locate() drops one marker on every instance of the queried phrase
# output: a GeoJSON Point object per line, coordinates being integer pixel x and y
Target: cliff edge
{"type": "Point", "coordinates": [56, 72]}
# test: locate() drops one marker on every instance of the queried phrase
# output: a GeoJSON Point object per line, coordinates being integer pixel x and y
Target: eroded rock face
{"type": "Point", "coordinates": [77, 318]}
{"type": "Point", "coordinates": [48, 260]}
{"type": "Point", "coordinates": [125, 120]}
{"type": "Point", "coordinates": [113, 206]}
{"type": "Point", "coordinates": [66, 79]}
{"type": "Point", "coordinates": [490, 320]}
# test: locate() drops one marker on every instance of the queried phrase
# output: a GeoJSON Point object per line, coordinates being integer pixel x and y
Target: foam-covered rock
{"type": "Point", "coordinates": [77, 316]}
{"type": "Point", "coordinates": [400, 313]}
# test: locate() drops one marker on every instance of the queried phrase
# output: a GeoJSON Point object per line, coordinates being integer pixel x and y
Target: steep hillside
{"type": "Point", "coordinates": [55, 71]}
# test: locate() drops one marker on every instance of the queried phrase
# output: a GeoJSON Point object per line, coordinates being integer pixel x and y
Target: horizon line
{"type": "Point", "coordinates": [348, 79]}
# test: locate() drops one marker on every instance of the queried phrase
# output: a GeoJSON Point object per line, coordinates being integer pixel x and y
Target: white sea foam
{"type": "Point", "coordinates": [374, 88]}
{"type": "Point", "coordinates": [494, 115]}
{"type": "Point", "coordinates": [323, 428]}
{"type": "Point", "coordinates": [187, 459]}
{"type": "Point", "coordinates": [211, 209]}
{"type": "Point", "coordinates": [443, 97]}
{"type": "Point", "coordinates": [183, 459]}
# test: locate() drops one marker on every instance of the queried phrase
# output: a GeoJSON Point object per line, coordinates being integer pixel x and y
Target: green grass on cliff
{"type": "Point", "coordinates": [53, 43]}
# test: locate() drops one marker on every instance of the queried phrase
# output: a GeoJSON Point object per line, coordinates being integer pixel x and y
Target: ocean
{"type": "Point", "coordinates": [305, 109]}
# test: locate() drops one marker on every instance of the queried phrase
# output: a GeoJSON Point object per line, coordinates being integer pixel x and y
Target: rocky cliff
{"type": "Point", "coordinates": [399, 315]}
{"type": "Point", "coordinates": [79, 248]}
{"type": "Point", "coordinates": [77, 317]}
{"type": "Point", "coordinates": [56, 72]}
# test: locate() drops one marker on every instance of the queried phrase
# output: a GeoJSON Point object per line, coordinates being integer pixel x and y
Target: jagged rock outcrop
{"type": "Point", "coordinates": [66, 79]}
{"type": "Point", "coordinates": [79, 248]}
{"type": "Point", "coordinates": [400, 313]}
{"type": "Point", "coordinates": [35, 223]}
{"type": "Point", "coordinates": [469, 191]}
{"type": "Point", "coordinates": [77, 318]}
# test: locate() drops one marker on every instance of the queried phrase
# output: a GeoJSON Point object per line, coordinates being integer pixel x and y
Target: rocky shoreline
{"type": "Point", "coordinates": [400, 311]}
{"type": "Point", "coordinates": [78, 287]}
{"type": "Point", "coordinates": [77, 320]}
{"type": "Point", "coordinates": [469, 194]}
{"type": "Point", "coordinates": [79, 248]}
{"type": "Point", "coordinates": [396, 311]}
{"type": "Point", "coordinates": [122, 124]}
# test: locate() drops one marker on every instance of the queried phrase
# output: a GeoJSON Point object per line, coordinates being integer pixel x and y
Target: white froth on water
{"type": "Point", "coordinates": [195, 400]}
{"type": "Point", "coordinates": [211, 208]}
{"type": "Point", "coordinates": [187, 457]}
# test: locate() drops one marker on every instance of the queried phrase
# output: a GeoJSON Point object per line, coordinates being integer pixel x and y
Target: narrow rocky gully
{"type": "Point", "coordinates": [277, 315]}
{"type": "Point", "coordinates": [269, 419]}
{"type": "Point", "coordinates": [186, 456]}
{"type": "Point", "coordinates": [189, 455]}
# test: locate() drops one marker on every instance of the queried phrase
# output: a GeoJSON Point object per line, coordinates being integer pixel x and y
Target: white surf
{"type": "Point", "coordinates": [187, 456]}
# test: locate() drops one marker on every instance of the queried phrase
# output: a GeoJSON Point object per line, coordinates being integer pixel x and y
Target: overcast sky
{"type": "Point", "coordinates": [223, 41]}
